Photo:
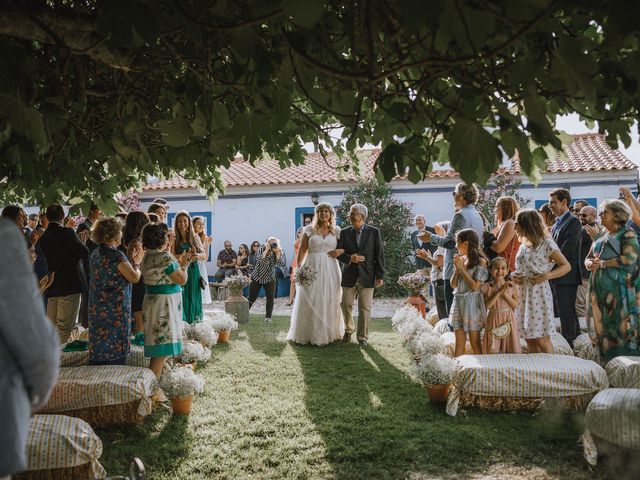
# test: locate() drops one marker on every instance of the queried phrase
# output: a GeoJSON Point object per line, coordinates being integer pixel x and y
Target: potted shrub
{"type": "Point", "coordinates": [436, 373]}
{"type": "Point", "coordinates": [236, 304]}
{"type": "Point", "coordinates": [223, 323]}
{"type": "Point", "coordinates": [181, 384]}
{"type": "Point", "coordinates": [193, 352]}
{"type": "Point", "coordinates": [414, 283]}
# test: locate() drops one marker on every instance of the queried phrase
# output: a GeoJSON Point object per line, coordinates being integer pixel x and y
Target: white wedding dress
{"type": "Point", "coordinates": [316, 317]}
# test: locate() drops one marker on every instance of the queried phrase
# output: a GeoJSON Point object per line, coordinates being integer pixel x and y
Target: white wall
{"type": "Point", "coordinates": [246, 214]}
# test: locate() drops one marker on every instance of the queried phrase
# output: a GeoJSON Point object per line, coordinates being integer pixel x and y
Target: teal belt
{"type": "Point", "coordinates": [162, 289]}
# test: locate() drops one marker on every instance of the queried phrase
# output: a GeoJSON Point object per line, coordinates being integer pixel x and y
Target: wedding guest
{"type": "Point", "coordinates": [506, 244]}
{"type": "Point", "coordinates": [467, 216]}
{"type": "Point", "coordinates": [253, 252]}
{"type": "Point", "coordinates": [29, 350]}
{"type": "Point", "coordinates": [153, 218]}
{"type": "Point", "coordinates": [422, 265]}
{"type": "Point", "coordinates": [268, 257]}
{"type": "Point", "coordinates": [548, 218]}
{"type": "Point", "coordinates": [159, 210]}
{"type": "Point", "coordinates": [132, 239]}
{"type": "Point", "coordinates": [294, 265]}
{"type": "Point", "coordinates": [587, 217]}
{"type": "Point", "coordinates": [15, 214]}
{"type": "Point", "coordinates": [64, 253]}
{"type": "Point", "coordinates": [566, 233]}
{"type": "Point", "coordinates": [578, 205]}
{"type": "Point", "coordinates": [614, 295]}
{"type": "Point", "coordinates": [226, 261]}
{"type": "Point", "coordinates": [186, 241]}
{"type": "Point", "coordinates": [33, 220]}
{"type": "Point", "coordinates": [198, 228]}
{"type": "Point", "coordinates": [242, 263]}
{"type": "Point", "coordinates": [437, 262]}
{"type": "Point", "coordinates": [162, 306]}
{"type": "Point", "coordinates": [111, 275]}
{"type": "Point", "coordinates": [69, 222]}
{"type": "Point", "coordinates": [162, 202]}
{"type": "Point", "coordinates": [94, 214]}
{"type": "Point", "coordinates": [468, 312]}
{"type": "Point", "coordinates": [501, 298]}
{"type": "Point", "coordinates": [535, 262]}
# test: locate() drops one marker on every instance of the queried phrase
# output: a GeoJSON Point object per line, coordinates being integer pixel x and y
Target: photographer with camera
{"type": "Point", "coordinates": [268, 257]}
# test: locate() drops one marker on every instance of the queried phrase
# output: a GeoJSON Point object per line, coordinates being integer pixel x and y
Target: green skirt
{"type": "Point", "coordinates": [191, 296]}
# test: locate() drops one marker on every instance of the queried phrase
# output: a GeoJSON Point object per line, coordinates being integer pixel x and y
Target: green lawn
{"type": "Point", "coordinates": [275, 410]}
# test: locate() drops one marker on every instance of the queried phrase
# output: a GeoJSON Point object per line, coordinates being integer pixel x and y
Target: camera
{"type": "Point", "coordinates": [274, 245]}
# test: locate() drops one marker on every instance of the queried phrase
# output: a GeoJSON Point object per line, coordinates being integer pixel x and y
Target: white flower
{"type": "Point", "coordinates": [181, 382]}
{"type": "Point", "coordinates": [305, 275]}
{"type": "Point", "coordinates": [236, 282]}
{"type": "Point", "coordinates": [405, 314]}
{"type": "Point", "coordinates": [193, 351]}
{"type": "Point", "coordinates": [434, 369]}
{"type": "Point", "coordinates": [414, 282]}
{"type": "Point", "coordinates": [219, 320]}
{"type": "Point", "coordinates": [201, 332]}
{"type": "Point", "coordinates": [426, 343]}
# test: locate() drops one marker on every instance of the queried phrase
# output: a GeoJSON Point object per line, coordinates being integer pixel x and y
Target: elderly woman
{"type": "Point", "coordinates": [267, 258]}
{"type": "Point", "coordinates": [614, 284]}
{"type": "Point", "coordinates": [111, 275]}
{"type": "Point", "coordinates": [506, 244]}
{"type": "Point", "coordinates": [464, 198]}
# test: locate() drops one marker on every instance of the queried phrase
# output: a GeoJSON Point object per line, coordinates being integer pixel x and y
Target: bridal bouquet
{"type": "Point", "coordinates": [305, 275]}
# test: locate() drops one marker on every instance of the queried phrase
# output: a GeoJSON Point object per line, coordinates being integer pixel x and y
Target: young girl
{"type": "Point", "coordinates": [468, 311]}
{"type": "Point", "coordinates": [501, 298]}
{"type": "Point", "coordinates": [535, 261]}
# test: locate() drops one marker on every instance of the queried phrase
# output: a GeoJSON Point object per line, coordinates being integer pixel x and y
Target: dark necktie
{"type": "Point", "coordinates": [358, 235]}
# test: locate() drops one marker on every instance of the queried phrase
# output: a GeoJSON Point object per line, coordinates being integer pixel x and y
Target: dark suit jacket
{"type": "Point", "coordinates": [417, 243]}
{"type": "Point", "coordinates": [568, 237]}
{"type": "Point", "coordinates": [371, 247]}
{"type": "Point", "coordinates": [64, 253]}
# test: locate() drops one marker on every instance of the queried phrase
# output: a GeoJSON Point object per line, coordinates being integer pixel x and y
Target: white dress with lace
{"type": "Point", "coordinates": [316, 317]}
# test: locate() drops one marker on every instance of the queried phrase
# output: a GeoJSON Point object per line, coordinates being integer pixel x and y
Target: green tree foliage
{"type": "Point", "coordinates": [499, 185]}
{"type": "Point", "coordinates": [392, 217]}
{"type": "Point", "coordinates": [96, 94]}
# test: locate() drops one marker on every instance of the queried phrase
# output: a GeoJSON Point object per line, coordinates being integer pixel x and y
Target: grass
{"type": "Point", "coordinates": [275, 410]}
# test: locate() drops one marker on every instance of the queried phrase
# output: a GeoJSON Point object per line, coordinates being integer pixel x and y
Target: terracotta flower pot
{"type": "Point", "coordinates": [223, 336]}
{"type": "Point", "coordinates": [438, 393]}
{"type": "Point", "coordinates": [181, 405]}
{"type": "Point", "coordinates": [418, 302]}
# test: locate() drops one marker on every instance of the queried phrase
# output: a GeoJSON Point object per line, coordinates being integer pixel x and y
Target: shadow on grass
{"type": "Point", "coordinates": [162, 443]}
{"type": "Point", "coordinates": [376, 423]}
{"type": "Point", "coordinates": [267, 338]}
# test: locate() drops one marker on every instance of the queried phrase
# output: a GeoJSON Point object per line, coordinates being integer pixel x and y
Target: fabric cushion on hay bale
{"type": "Point", "coordinates": [583, 348]}
{"type": "Point", "coordinates": [524, 381]}
{"type": "Point", "coordinates": [136, 358]}
{"type": "Point", "coordinates": [582, 321]}
{"type": "Point", "coordinates": [560, 345]}
{"type": "Point", "coordinates": [613, 417]}
{"type": "Point", "coordinates": [104, 395]}
{"type": "Point", "coordinates": [449, 339]}
{"type": "Point", "coordinates": [442, 326]}
{"type": "Point", "coordinates": [432, 316]}
{"type": "Point", "coordinates": [624, 372]}
{"type": "Point", "coordinates": [62, 447]}
{"type": "Point", "coordinates": [557, 326]}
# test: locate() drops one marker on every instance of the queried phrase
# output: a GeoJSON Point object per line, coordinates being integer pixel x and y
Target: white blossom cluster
{"type": "Point", "coordinates": [181, 382]}
{"type": "Point", "coordinates": [220, 320]}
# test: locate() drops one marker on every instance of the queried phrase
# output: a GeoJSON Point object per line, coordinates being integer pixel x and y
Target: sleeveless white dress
{"type": "Point", "coordinates": [316, 317]}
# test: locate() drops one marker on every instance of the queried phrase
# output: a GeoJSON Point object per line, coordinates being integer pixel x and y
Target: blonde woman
{"type": "Point", "coordinates": [316, 317]}
{"type": "Point", "coordinates": [186, 241]}
{"type": "Point", "coordinates": [535, 262]}
{"type": "Point", "coordinates": [198, 228]}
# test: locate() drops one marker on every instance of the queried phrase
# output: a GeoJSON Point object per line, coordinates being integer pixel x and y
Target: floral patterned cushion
{"type": "Point", "coordinates": [58, 442]}
{"type": "Point", "coordinates": [614, 416]}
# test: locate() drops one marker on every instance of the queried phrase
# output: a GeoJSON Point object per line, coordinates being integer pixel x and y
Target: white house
{"type": "Point", "coordinates": [266, 200]}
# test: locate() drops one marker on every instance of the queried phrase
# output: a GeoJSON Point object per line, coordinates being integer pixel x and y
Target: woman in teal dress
{"type": "Point", "coordinates": [186, 241]}
{"type": "Point", "coordinates": [614, 286]}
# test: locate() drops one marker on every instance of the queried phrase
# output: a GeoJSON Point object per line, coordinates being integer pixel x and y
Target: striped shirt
{"type": "Point", "coordinates": [265, 268]}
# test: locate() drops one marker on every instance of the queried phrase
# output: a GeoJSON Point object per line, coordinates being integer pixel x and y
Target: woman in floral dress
{"type": "Point", "coordinates": [614, 286]}
{"type": "Point", "coordinates": [537, 256]}
{"type": "Point", "coordinates": [111, 275]}
{"type": "Point", "coordinates": [162, 306]}
{"type": "Point", "coordinates": [186, 241]}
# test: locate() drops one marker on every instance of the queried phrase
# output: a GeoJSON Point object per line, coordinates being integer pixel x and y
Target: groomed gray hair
{"type": "Point", "coordinates": [419, 216]}
{"type": "Point", "coordinates": [468, 192]}
{"type": "Point", "coordinates": [361, 209]}
{"type": "Point", "coordinates": [620, 210]}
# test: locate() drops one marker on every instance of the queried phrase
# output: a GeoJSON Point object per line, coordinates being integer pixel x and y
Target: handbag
{"type": "Point", "coordinates": [202, 282]}
{"type": "Point", "coordinates": [502, 331]}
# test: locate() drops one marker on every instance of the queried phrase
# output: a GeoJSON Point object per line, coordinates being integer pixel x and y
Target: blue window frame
{"type": "Point", "coordinates": [591, 201]}
{"type": "Point", "coordinates": [301, 214]}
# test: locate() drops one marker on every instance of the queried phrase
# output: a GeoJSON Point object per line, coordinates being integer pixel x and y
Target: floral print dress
{"type": "Point", "coordinates": [162, 305]}
{"type": "Point", "coordinates": [109, 307]}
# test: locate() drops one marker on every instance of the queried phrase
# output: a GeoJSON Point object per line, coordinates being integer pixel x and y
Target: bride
{"type": "Point", "coordinates": [316, 317]}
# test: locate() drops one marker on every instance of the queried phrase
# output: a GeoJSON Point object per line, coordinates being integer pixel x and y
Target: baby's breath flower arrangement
{"type": "Point", "coordinates": [236, 282]}
{"type": "Point", "coordinates": [434, 370]}
{"type": "Point", "coordinates": [305, 275]}
{"type": "Point", "coordinates": [413, 282]}
{"type": "Point", "coordinates": [181, 382]}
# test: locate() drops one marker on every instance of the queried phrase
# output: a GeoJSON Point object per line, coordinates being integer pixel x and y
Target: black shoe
{"type": "Point", "coordinates": [346, 337]}
{"type": "Point", "coordinates": [363, 343]}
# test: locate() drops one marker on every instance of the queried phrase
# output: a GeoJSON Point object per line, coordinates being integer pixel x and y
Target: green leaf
{"type": "Point", "coordinates": [473, 151]}
{"type": "Point", "coordinates": [176, 133]}
{"type": "Point", "coordinates": [27, 121]}
{"type": "Point", "coordinates": [390, 161]}
{"type": "Point", "coordinates": [220, 115]}
{"type": "Point", "coordinates": [305, 13]}
{"type": "Point", "coordinates": [537, 121]}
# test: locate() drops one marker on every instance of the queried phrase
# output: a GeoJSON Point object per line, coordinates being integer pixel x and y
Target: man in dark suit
{"type": "Point", "coordinates": [94, 214]}
{"type": "Point", "coordinates": [567, 234]}
{"type": "Point", "coordinates": [363, 270]}
{"type": "Point", "coordinates": [65, 253]}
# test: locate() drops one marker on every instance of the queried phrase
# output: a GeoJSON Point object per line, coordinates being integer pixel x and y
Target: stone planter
{"type": "Point", "coordinates": [238, 306]}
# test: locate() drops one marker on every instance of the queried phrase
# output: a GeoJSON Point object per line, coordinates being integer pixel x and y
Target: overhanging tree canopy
{"type": "Point", "coordinates": [96, 95]}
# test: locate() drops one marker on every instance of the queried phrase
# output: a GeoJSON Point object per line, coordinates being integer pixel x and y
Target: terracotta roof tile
{"type": "Point", "coordinates": [589, 152]}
